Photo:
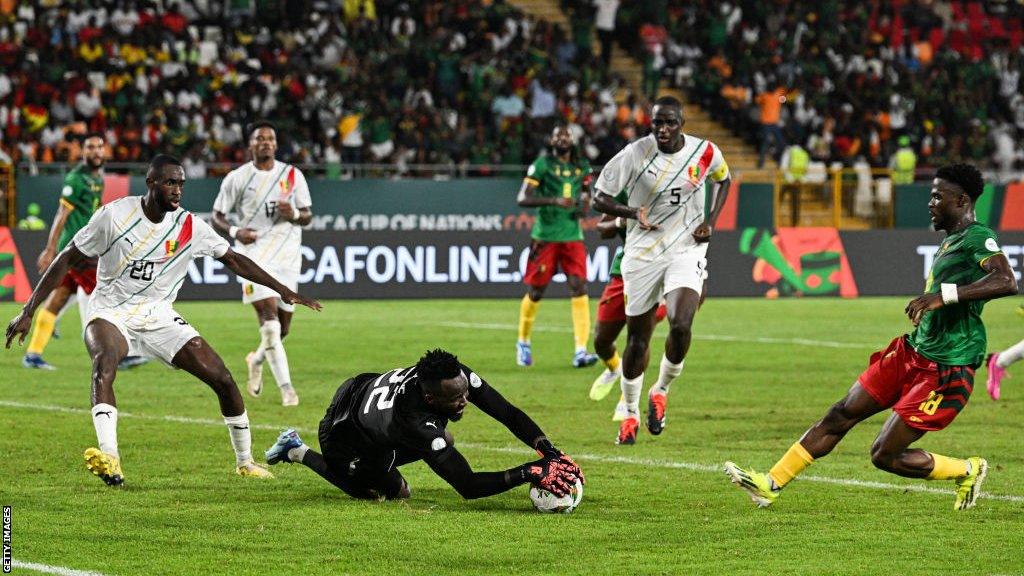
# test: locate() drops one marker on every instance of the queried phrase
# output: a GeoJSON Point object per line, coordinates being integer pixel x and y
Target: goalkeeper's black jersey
{"type": "Point", "coordinates": [389, 412]}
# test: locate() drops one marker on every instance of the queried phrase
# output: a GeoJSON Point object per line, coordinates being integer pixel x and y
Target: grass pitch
{"type": "Point", "coordinates": [758, 374]}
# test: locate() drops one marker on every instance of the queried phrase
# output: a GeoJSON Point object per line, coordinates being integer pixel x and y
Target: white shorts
{"type": "Point", "coordinates": [159, 334]}
{"type": "Point", "coordinates": [252, 292]}
{"type": "Point", "coordinates": [646, 283]}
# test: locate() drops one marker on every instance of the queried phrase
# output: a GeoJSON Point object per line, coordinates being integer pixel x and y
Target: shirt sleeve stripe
{"type": "Point", "coordinates": [985, 259]}
{"type": "Point", "coordinates": [531, 181]}
{"type": "Point", "coordinates": [67, 204]}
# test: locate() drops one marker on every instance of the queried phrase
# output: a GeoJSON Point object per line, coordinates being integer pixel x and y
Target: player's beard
{"type": "Point", "coordinates": [261, 157]}
{"type": "Point", "coordinates": [562, 151]}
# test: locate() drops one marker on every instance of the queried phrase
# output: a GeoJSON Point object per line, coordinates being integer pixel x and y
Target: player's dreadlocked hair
{"type": "Point", "coordinates": [967, 177]}
{"type": "Point", "coordinates": [161, 160]}
{"type": "Point", "coordinates": [437, 365]}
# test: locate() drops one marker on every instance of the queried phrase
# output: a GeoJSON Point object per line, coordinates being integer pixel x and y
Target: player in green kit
{"type": "Point", "coordinates": [927, 376]}
{"type": "Point", "coordinates": [81, 194]}
{"type": "Point", "coordinates": [559, 186]}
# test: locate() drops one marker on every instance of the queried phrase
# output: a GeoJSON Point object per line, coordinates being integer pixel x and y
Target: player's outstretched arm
{"type": "Point", "coordinates": [246, 268]}
{"type": "Point", "coordinates": [999, 282]}
{"type": "Point", "coordinates": [55, 272]}
{"type": "Point", "coordinates": [492, 403]}
{"type": "Point", "coordinates": [452, 466]}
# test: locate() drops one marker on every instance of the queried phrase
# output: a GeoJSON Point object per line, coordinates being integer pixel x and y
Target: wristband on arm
{"type": "Point", "coordinates": [949, 295]}
{"type": "Point", "coordinates": [232, 231]}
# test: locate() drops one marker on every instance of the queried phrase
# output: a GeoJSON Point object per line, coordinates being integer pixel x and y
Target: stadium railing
{"type": "Point", "coordinates": [845, 198]}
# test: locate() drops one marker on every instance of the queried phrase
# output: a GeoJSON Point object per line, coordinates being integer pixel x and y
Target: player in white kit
{"type": "Point", "coordinates": [144, 246]}
{"type": "Point", "coordinates": [269, 202]}
{"type": "Point", "coordinates": [667, 236]}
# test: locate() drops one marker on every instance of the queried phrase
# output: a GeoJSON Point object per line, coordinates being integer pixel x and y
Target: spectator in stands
{"type": "Point", "coordinates": [31, 221]}
{"type": "Point", "coordinates": [770, 104]}
{"type": "Point", "coordinates": [604, 22]}
{"type": "Point", "coordinates": [903, 162]}
{"type": "Point", "coordinates": [153, 75]}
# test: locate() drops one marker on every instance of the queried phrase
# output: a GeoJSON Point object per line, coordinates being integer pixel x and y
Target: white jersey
{"type": "Point", "coordinates": [670, 186]}
{"type": "Point", "coordinates": [142, 264]}
{"type": "Point", "coordinates": [252, 195]}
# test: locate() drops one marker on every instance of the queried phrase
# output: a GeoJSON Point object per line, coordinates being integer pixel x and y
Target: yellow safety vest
{"type": "Point", "coordinates": [798, 161]}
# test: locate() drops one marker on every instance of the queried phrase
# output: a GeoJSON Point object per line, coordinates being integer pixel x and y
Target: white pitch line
{"type": "Point", "coordinates": [47, 569]}
{"type": "Point", "coordinates": [711, 337]}
{"type": "Point", "coordinates": [646, 462]}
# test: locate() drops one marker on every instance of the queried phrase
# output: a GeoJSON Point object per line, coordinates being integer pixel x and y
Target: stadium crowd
{"type": "Point", "coordinates": [477, 82]}
{"type": "Point", "coordinates": [346, 81]}
{"type": "Point", "coordinates": [847, 80]}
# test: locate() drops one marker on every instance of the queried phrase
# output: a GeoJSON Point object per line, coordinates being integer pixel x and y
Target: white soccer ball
{"type": "Point", "coordinates": [547, 502]}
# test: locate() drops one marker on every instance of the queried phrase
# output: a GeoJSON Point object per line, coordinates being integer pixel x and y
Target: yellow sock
{"type": "Point", "coordinates": [792, 463]}
{"type": "Point", "coordinates": [42, 331]}
{"type": "Point", "coordinates": [581, 320]}
{"type": "Point", "coordinates": [613, 362]}
{"type": "Point", "coordinates": [527, 314]}
{"type": "Point", "coordinates": [947, 468]}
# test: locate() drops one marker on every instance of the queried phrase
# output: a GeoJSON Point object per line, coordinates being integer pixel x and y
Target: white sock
{"type": "Point", "coordinates": [241, 440]}
{"type": "Point", "coordinates": [104, 419]}
{"type": "Point", "coordinates": [666, 374]}
{"type": "Point", "coordinates": [631, 392]}
{"type": "Point", "coordinates": [1011, 355]}
{"type": "Point", "coordinates": [296, 454]}
{"type": "Point", "coordinates": [270, 332]}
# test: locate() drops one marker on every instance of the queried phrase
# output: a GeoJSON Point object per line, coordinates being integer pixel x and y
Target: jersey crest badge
{"type": "Point", "coordinates": [288, 183]}
{"type": "Point", "coordinates": [170, 247]}
{"type": "Point", "coordinates": [694, 173]}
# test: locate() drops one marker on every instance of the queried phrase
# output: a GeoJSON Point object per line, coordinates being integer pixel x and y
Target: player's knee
{"type": "Point", "coordinates": [270, 331]}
